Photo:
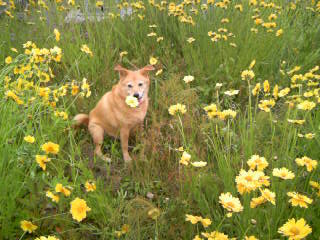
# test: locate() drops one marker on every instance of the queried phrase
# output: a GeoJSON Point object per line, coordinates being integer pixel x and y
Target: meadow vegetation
{"type": "Point", "coordinates": [230, 144]}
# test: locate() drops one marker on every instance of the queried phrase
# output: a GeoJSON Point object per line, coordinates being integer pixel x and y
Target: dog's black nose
{"type": "Point", "coordinates": [136, 95]}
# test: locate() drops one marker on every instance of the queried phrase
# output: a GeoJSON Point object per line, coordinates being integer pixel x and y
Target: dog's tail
{"type": "Point", "coordinates": [81, 119]}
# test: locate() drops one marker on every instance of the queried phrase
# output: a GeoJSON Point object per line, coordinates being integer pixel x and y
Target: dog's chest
{"type": "Point", "coordinates": [137, 116]}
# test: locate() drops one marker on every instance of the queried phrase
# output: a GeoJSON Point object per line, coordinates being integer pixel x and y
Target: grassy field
{"type": "Point", "coordinates": [211, 168]}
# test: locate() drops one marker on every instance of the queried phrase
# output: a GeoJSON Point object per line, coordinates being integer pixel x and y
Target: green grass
{"type": "Point", "coordinates": [121, 194]}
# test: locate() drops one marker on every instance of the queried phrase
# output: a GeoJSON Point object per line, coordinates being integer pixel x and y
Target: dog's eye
{"type": "Point", "coordinates": [129, 85]}
{"type": "Point", "coordinates": [140, 84]}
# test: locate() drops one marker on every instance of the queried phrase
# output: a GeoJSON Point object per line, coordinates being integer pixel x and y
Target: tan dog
{"type": "Point", "coordinates": [112, 115]}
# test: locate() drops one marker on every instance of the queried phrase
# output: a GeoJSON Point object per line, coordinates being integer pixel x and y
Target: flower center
{"type": "Point", "coordinates": [248, 178]}
{"type": "Point", "coordinates": [230, 204]}
{"type": "Point", "coordinates": [294, 230]}
{"type": "Point", "coordinates": [80, 209]}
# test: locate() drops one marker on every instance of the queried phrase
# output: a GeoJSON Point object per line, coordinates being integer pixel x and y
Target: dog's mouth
{"type": "Point", "coordinates": [140, 98]}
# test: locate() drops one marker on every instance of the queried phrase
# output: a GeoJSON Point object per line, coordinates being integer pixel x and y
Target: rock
{"type": "Point", "coordinates": [74, 16]}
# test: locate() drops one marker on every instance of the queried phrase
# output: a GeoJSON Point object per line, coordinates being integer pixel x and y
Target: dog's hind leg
{"type": "Point", "coordinates": [97, 134]}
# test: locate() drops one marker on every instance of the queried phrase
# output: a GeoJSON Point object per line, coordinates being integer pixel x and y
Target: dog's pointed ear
{"type": "Point", "coordinates": [122, 71]}
{"type": "Point", "coordinates": [146, 69]}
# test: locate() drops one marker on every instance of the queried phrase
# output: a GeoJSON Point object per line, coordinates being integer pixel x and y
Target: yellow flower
{"type": "Point", "coordinates": [159, 72]}
{"type": "Point", "coordinates": [86, 49]}
{"type": "Point", "coordinates": [63, 115]}
{"type": "Point", "coordinates": [206, 222]}
{"type": "Point", "coordinates": [74, 88]}
{"type": "Point", "coordinates": [232, 204]}
{"type": "Point", "coordinates": [254, 30]}
{"type": "Point", "coordinates": [226, 113]}
{"type": "Point", "coordinates": [56, 53]}
{"type": "Point", "coordinates": [199, 164]}
{"type": "Point", "coordinates": [141, 17]}
{"type": "Point", "coordinates": [193, 219]}
{"type": "Point", "coordinates": [257, 162]}
{"type": "Point", "coordinates": [28, 226]}
{"type": "Point", "coordinates": [248, 181]}
{"type": "Point", "coordinates": [275, 93]}
{"type": "Point", "coordinates": [79, 209]}
{"type": "Point", "coordinates": [210, 33]}
{"type": "Point", "coordinates": [197, 238]}
{"type": "Point", "coordinates": [306, 105]}
{"type": "Point", "coordinates": [295, 229]}
{"type": "Point", "coordinates": [50, 147]}
{"type": "Point", "coordinates": [295, 69]}
{"type": "Point", "coordinates": [296, 121]}
{"type": "Point", "coordinates": [211, 110]}
{"type": "Point", "coordinates": [188, 78]}
{"type": "Point", "coordinates": [85, 87]}
{"type": "Point", "coordinates": [308, 162]}
{"type": "Point", "coordinates": [185, 158]}
{"type": "Point", "coordinates": [152, 34]}
{"type": "Point", "coordinates": [284, 92]}
{"type": "Point", "coordinates": [159, 39]}
{"type": "Point", "coordinates": [54, 198]}
{"type": "Point", "coordinates": [153, 61]}
{"type": "Point", "coordinates": [60, 188]}
{"type": "Point", "coordinates": [44, 77]}
{"type": "Point", "coordinates": [42, 160]}
{"type": "Point", "coordinates": [251, 238]}
{"type": "Point", "coordinates": [283, 173]}
{"type": "Point", "coordinates": [178, 108]}
{"type": "Point", "coordinates": [122, 54]}
{"type": "Point", "coordinates": [279, 32]}
{"type": "Point", "coordinates": [47, 238]}
{"type": "Point", "coordinates": [256, 89]}
{"type": "Point", "coordinates": [215, 235]}
{"type": "Point", "coordinates": [190, 40]}
{"type": "Point", "coordinates": [29, 139]}
{"type": "Point", "coordinates": [253, 62]}
{"type": "Point", "coordinates": [154, 213]}
{"type": "Point", "coordinates": [257, 201]}
{"type": "Point", "coordinates": [266, 105]}
{"type": "Point", "coordinates": [272, 17]}
{"type": "Point", "coordinates": [231, 92]}
{"type": "Point", "coordinates": [299, 199]}
{"type": "Point", "coordinates": [8, 60]}
{"type": "Point", "coordinates": [268, 195]}
{"type": "Point", "coordinates": [266, 86]}
{"type": "Point", "coordinates": [239, 7]}
{"type": "Point", "coordinates": [57, 34]}
{"type": "Point", "coordinates": [99, 4]}
{"type": "Point", "coordinates": [224, 20]}
{"type": "Point", "coordinates": [132, 101]}
{"type": "Point", "coordinates": [125, 228]}
{"type": "Point", "coordinates": [180, 149]}
{"type": "Point", "coordinates": [90, 186]}
{"type": "Point", "coordinates": [247, 75]}
{"type": "Point", "coordinates": [14, 50]}
{"type": "Point", "coordinates": [314, 184]}
{"type": "Point", "coordinates": [12, 95]}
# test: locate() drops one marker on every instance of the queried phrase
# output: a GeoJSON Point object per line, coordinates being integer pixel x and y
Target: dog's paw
{"type": "Point", "coordinates": [127, 159]}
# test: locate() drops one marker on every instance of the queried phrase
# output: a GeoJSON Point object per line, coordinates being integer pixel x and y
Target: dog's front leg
{"type": "Point", "coordinates": [124, 138]}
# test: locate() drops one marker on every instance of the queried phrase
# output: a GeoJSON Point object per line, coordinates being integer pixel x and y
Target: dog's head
{"type": "Point", "coordinates": [134, 83]}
